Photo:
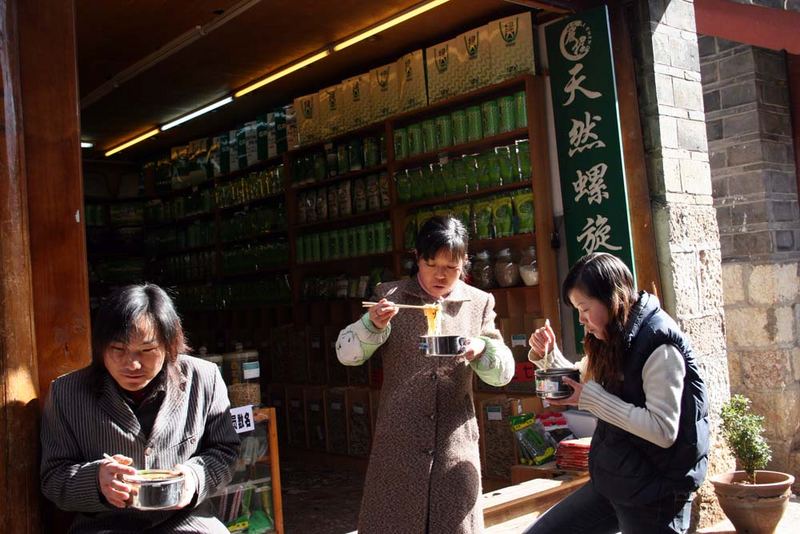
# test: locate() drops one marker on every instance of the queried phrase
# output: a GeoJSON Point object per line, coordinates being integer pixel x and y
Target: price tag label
{"type": "Point", "coordinates": [494, 413]}
{"type": "Point", "coordinates": [358, 409]}
{"type": "Point", "coordinates": [242, 419]}
{"type": "Point", "coordinates": [519, 340]}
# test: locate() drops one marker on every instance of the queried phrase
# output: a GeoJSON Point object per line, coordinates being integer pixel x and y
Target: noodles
{"type": "Point", "coordinates": [431, 312]}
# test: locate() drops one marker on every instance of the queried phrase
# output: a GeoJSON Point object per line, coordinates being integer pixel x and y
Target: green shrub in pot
{"type": "Point", "coordinates": [744, 433]}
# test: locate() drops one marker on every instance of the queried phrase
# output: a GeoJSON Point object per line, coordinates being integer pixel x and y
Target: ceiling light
{"type": "Point", "coordinates": [86, 144]}
{"type": "Point", "coordinates": [281, 73]}
{"type": "Point", "coordinates": [190, 116]}
{"type": "Point", "coordinates": [132, 142]}
{"type": "Point", "coordinates": [388, 24]}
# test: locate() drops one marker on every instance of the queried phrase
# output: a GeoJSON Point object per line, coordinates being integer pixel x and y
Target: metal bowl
{"type": "Point", "coordinates": [442, 345]}
{"type": "Point", "coordinates": [155, 489]}
{"type": "Point", "coordinates": [549, 384]}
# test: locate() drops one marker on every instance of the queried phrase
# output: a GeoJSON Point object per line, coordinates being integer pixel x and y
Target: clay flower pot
{"type": "Point", "coordinates": [753, 508]}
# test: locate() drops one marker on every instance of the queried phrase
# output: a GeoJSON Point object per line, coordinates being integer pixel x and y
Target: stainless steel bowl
{"type": "Point", "coordinates": [549, 384]}
{"type": "Point", "coordinates": [155, 489]}
{"type": "Point", "coordinates": [442, 345]}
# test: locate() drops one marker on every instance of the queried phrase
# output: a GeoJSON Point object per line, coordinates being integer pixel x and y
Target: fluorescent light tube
{"type": "Point", "coordinates": [283, 72]}
{"type": "Point", "coordinates": [192, 115]}
{"type": "Point", "coordinates": [388, 24]}
{"type": "Point", "coordinates": [132, 142]}
{"type": "Point", "coordinates": [86, 144]}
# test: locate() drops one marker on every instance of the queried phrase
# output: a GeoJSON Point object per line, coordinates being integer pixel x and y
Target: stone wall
{"type": "Point", "coordinates": [755, 193]}
{"type": "Point", "coordinates": [673, 122]}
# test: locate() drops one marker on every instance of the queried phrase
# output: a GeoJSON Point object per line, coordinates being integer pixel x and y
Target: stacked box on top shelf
{"type": "Point", "coordinates": [336, 420]}
{"type": "Point", "coordinates": [306, 110]}
{"type": "Point", "coordinates": [295, 409]}
{"type": "Point", "coordinates": [356, 107]}
{"type": "Point", "coordinates": [474, 53]}
{"type": "Point", "coordinates": [511, 45]}
{"type": "Point", "coordinates": [441, 66]}
{"type": "Point", "coordinates": [359, 422]}
{"type": "Point", "coordinates": [413, 89]}
{"type": "Point", "coordinates": [330, 110]}
{"type": "Point", "coordinates": [384, 91]}
{"type": "Point", "coordinates": [315, 418]}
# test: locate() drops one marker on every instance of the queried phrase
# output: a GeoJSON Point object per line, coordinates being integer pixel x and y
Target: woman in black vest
{"type": "Point", "coordinates": [640, 379]}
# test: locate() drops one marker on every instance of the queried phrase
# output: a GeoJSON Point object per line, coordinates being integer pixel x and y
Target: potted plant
{"type": "Point", "coordinates": [753, 499]}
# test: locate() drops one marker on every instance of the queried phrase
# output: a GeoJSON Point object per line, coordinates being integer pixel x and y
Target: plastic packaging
{"type": "Point", "coordinates": [528, 268]}
{"type": "Point", "coordinates": [537, 445]}
{"type": "Point", "coordinates": [506, 272]}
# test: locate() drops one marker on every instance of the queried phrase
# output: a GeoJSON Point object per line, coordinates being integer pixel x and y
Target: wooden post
{"type": "Point", "coordinates": [49, 85]}
{"type": "Point", "coordinates": [19, 385]}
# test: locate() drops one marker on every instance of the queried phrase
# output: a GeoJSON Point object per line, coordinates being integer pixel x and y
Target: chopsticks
{"type": "Point", "coordinates": [368, 304]}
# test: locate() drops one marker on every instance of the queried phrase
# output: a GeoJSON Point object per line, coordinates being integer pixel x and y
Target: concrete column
{"type": "Point", "coordinates": [687, 237]}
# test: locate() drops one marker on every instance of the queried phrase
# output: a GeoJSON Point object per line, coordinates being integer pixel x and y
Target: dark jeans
{"type": "Point", "coordinates": [586, 511]}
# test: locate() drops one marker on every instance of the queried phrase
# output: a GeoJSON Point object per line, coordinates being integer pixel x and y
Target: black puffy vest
{"type": "Point", "coordinates": [627, 469]}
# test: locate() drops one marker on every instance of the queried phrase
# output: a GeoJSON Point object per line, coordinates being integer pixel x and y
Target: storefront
{"type": "Point", "coordinates": [273, 217]}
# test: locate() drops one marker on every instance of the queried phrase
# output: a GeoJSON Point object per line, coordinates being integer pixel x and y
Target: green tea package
{"type": "Point", "coordinates": [532, 438]}
{"type": "Point", "coordinates": [503, 212]}
{"type": "Point", "coordinates": [452, 183]}
{"type": "Point", "coordinates": [383, 187]}
{"type": "Point", "coordinates": [428, 182]}
{"type": "Point", "coordinates": [360, 195]}
{"type": "Point", "coordinates": [333, 202]}
{"type": "Point", "coordinates": [523, 207]}
{"type": "Point", "coordinates": [471, 172]}
{"type": "Point", "coordinates": [483, 219]}
{"type": "Point", "coordinates": [463, 212]}
{"type": "Point", "coordinates": [322, 204]}
{"type": "Point", "coordinates": [345, 199]}
{"type": "Point", "coordinates": [410, 232]}
{"type": "Point", "coordinates": [439, 185]}
{"type": "Point", "coordinates": [373, 193]}
{"type": "Point", "coordinates": [403, 185]}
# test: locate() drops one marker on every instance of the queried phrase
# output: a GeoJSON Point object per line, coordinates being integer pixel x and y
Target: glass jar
{"type": "Point", "coordinates": [528, 268]}
{"type": "Point", "coordinates": [506, 271]}
{"type": "Point", "coordinates": [482, 271]}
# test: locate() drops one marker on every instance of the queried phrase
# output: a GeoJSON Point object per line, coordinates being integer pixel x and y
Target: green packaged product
{"type": "Point", "coordinates": [474, 123]}
{"type": "Point", "coordinates": [505, 164]}
{"type": "Point", "coordinates": [415, 179]}
{"type": "Point", "coordinates": [444, 131]}
{"type": "Point", "coordinates": [524, 159]}
{"type": "Point", "coordinates": [360, 195]}
{"type": "Point", "coordinates": [428, 135]}
{"type": "Point", "coordinates": [373, 193]}
{"type": "Point", "coordinates": [531, 436]}
{"type": "Point", "coordinates": [345, 199]}
{"type": "Point", "coordinates": [459, 121]}
{"type": "Point", "coordinates": [414, 135]}
{"type": "Point", "coordinates": [333, 202]}
{"type": "Point", "coordinates": [471, 171]}
{"type": "Point", "coordinates": [485, 163]}
{"type": "Point", "coordinates": [503, 213]}
{"type": "Point", "coordinates": [439, 185]}
{"type": "Point", "coordinates": [400, 144]}
{"type": "Point", "coordinates": [521, 110]}
{"type": "Point", "coordinates": [403, 184]}
{"type": "Point", "coordinates": [463, 212]}
{"type": "Point", "coordinates": [428, 182]}
{"type": "Point", "coordinates": [383, 188]}
{"type": "Point", "coordinates": [490, 111]}
{"type": "Point", "coordinates": [342, 158]}
{"type": "Point", "coordinates": [410, 232]}
{"type": "Point", "coordinates": [372, 152]}
{"type": "Point", "coordinates": [506, 105]}
{"type": "Point", "coordinates": [523, 207]}
{"type": "Point", "coordinates": [483, 219]}
{"type": "Point", "coordinates": [322, 205]}
{"type": "Point", "coordinates": [459, 175]}
{"type": "Point", "coordinates": [452, 184]}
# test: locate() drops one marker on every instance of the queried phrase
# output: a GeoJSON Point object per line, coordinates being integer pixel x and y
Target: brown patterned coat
{"type": "Point", "coordinates": [424, 471]}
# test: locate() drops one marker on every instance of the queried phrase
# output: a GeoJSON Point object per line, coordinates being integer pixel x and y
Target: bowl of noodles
{"type": "Point", "coordinates": [155, 489]}
{"type": "Point", "coordinates": [434, 344]}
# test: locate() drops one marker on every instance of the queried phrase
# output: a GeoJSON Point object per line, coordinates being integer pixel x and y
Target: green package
{"type": "Point", "coordinates": [403, 184]}
{"type": "Point", "coordinates": [428, 182]}
{"type": "Point", "coordinates": [523, 206]}
{"type": "Point", "coordinates": [503, 212]}
{"type": "Point", "coordinates": [439, 185]}
{"type": "Point", "coordinates": [531, 436]}
{"type": "Point", "coordinates": [451, 182]}
{"type": "Point", "coordinates": [423, 216]}
{"type": "Point", "coordinates": [463, 212]}
{"type": "Point", "coordinates": [410, 232]}
{"type": "Point", "coordinates": [471, 172]}
{"type": "Point", "coordinates": [483, 219]}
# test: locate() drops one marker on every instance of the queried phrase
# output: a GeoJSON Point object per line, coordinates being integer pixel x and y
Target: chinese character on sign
{"type": "Point", "coordinates": [581, 135]}
{"type": "Point", "coordinates": [592, 184]}
{"type": "Point", "coordinates": [242, 418]}
{"type": "Point", "coordinates": [595, 234]}
{"type": "Point", "coordinates": [574, 84]}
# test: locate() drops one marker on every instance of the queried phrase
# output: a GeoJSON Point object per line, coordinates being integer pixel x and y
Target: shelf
{"type": "Point", "coordinates": [250, 203]}
{"type": "Point", "coordinates": [251, 274]}
{"type": "Point", "coordinates": [274, 161]}
{"type": "Point", "coordinates": [454, 102]}
{"type": "Point", "coordinates": [375, 128]}
{"type": "Point", "coordinates": [511, 241]}
{"type": "Point", "coordinates": [470, 147]}
{"type": "Point", "coordinates": [345, 222]}
{"type": "Point", "coordinates": [254, 237]}
{"type": "Point", "coordinates": [465, 196]}
{"type": "Point", "coordinates": [341, 177]}
{"type": "Point", "coordinates": [331, 264]}
{"type": "Point", "coordinates": [172, 193]}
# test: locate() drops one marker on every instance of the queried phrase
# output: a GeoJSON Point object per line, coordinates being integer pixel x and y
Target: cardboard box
{"type": "Point", "coordinates": [330, 113]}
{"type": "Point", "coordinates": [307, 113]}
{"type": "Point", "coordinates": [384, 91]}
{"type": "Point", "coordinates": [276, 133]}
{"type": "Point", "coordinates": [441, 69]}
{"type": "Point", "coordinates": [413, 89]}
{"type": "Point", "coordinates": [474, 52]}
{"type": "Point", "coordinates": [356, 105]}
{"type": "Point", "coordinates": [511, 43]}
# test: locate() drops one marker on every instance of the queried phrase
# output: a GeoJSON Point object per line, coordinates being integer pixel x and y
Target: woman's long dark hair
{"type": "Point", "coordinates": [119, 314]}
{"type": "Point", "coordinates": [442, 234]}
{"type": "Point", "coordinates": [606, 278]}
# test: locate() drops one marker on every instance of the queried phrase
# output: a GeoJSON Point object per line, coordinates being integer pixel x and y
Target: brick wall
{"type": "Point", "coordinates": [755, 194]}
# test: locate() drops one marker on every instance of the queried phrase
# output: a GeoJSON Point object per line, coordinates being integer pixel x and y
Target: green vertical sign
{"type": "Point", "coordinates": [588, 136]}
{"type": "Point", "coordinates": [586, 121]}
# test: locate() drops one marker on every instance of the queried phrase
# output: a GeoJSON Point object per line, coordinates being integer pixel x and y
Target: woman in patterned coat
{"type": "Point", "coordinates": [147, 406]}
{"type": "Point", "coordinates": [424, 471]}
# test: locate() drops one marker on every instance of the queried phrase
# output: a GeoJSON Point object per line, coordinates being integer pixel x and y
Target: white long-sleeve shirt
{"type": "Point", "coordinates": [662, 380]}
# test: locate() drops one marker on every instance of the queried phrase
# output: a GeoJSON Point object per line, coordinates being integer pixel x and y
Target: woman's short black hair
{"type": "Point", "coordinates": [442, 234]}
{"type": "Point", "coordinates": [119, 314]}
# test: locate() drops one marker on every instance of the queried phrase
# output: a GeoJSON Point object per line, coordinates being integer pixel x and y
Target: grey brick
{"type": "Point", "coordinates": [784, 211]}
{"type": "Point", "coordinates": [706, 45]}
{"type": "Point", "coordinates": [692, 135]}
{"type": "Point", "coordinates": [718, 159]}
{"type": "Point", "coordinates": [780, 182]}
{"type": "Point", "coordinates": [709, 72]}
{"type": "Point", "coordinates": [719, 188]}
{"type": "Point", "coordinates": [769, 65]}
{"type": "Point", "coordinates": [737, 65]}
{"type": "Point", "coordinates": [724, 218]}
{"type": "Point", "coordinates": [687, 94]}
{"type": "Point", "coordinates": [740, 124]}
{"type": "Point", "coordinates": [776, 152]}
{"type": "Point", "coordinates": [746, 213]}
{"type": "Point", "coordinates": [736, 95]}
{"type": "Point", "coordinates": [746, 183]}
{"type": "Point", "coordinates": [744, 153]}
{"type": "Point", "coordinates": [714, 130]}
{"type": "Point", "coordinates": [750, 243]}
{"type": "Point", "coordinates": [774, 94]}
{"type": "Point", "coordinates": [784, 240]}
{"type": "Point", "coordinates": [775, 123]}
{"type": "Point", "coordinates": [683, 54]}
{"type": "Point", "coordinates": [711, 101]}
{"type": "Point", "coordinates": [726, 246]}
{"type": "Point", "coordinates": [724, 44]}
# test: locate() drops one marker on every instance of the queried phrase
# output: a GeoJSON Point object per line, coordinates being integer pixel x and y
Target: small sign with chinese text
{"type": "Point", "coordinates": [242, 419]}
